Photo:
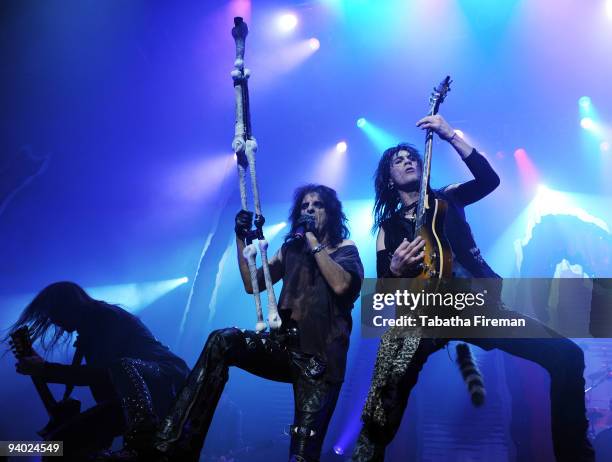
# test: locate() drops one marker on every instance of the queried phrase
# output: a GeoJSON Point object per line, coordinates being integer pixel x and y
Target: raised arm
{"type": "Point", "coordinates": [485, 179]}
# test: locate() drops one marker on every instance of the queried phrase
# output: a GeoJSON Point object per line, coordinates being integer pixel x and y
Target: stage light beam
{"type": "Point", "coordinates": [528, 172]}
{"type": "Point", "coordinates": [585, 102]}
{"type": "Point", "coordinates": [272, 231]}
{"type": "Point", "coordinates": [341, 147]}
{"type": "Point", "coordinates": [587, 123]}
{"type": "Point", "coordinates": [287, 22]}
{"type": "Point", "coordinates": [380, 138]}
{"type": "Point", "coordinates": [361, 122]}
{"type": "Point", "coordinates": [136, 296]}
{"type": "Point", "coordinates": [314, 44]}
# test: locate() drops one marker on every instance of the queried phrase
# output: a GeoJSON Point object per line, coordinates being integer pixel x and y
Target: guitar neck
{"type": "Point", "coordinates": [435, 100]}
{"type": "Point", "coordinates": [45, 394]}
{"type": "Point", "coordinates": [22, 347]}
{"type": "Point", "coordinates": [424, 188]}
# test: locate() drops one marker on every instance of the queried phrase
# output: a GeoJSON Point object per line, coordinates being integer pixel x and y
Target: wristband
{"type": "Point", "coordinates": [317, 249]}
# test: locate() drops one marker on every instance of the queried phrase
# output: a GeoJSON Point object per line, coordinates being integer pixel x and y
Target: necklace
{"type": "Point", "coordinates": [406, 209]}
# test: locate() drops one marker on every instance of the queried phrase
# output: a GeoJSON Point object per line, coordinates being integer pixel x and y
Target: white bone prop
{"type": "Point", "coordinates": [245, 147]}
{"type": "Point", "coordinates": [250, 253]}
{"type": "Point", "coordinates": [274, 320]}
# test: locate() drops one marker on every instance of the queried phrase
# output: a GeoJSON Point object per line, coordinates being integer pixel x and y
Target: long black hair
{"type": "Point", "coordinates": [387, 199]}
{"type": "Point", "coordinates": [335, 227]}
{"type": "Point", "coordinates": [60, 297]}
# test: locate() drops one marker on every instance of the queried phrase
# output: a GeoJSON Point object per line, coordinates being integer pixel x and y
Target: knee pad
{"type": "Point", "coordinates": [300, 437]}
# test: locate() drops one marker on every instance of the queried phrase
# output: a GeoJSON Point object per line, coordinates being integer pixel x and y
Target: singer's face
{"type": "Point", "coordinates": [404, 169]}
{"type": "Point", "coordinates": [313, 205]}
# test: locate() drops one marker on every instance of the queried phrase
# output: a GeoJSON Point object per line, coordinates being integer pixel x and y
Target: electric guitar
{"type": "Point", "coordinates": [431, 211]}
{"type": "Point", "coordinates": [59, 411]}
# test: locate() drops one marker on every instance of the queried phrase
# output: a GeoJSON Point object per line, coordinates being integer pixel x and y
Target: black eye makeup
{"type": "Point", "coordinates": [316, 204]}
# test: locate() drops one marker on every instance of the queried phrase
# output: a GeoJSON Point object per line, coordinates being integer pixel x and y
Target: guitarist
{"type": "Point", "coordinates": [400, 254]}
{"type": "Point", "coordinates": [132, 376]}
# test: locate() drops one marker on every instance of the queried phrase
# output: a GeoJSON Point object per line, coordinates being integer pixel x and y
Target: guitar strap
{"type": "Point", "coordinates": [76, 361]}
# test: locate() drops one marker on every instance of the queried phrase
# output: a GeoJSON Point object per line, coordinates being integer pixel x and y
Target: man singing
{"type": "Point", "coordinates": [322, 275]}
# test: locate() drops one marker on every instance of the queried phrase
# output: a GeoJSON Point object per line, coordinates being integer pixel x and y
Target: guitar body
{"type": "Point", "coordinates": [59, 412]}
{"type": "Point", "coordinates": [438, 255]}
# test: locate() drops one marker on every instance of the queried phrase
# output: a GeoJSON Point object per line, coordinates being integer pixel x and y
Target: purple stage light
{"type": "Point", "coordinates": [240, 8]}
{"type": "Point", "coordinates": [527, 169]}
{"type": "Point", "coordinates": [338, 450]}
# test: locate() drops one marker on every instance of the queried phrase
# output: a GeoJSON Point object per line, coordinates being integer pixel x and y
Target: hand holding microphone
{"type": "Point", "coordinates": [306, 223]}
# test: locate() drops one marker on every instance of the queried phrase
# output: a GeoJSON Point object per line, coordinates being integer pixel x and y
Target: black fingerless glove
{"type": "Point", "coordinates": [243, 224]}
{"type": "Point", "coordinates": [307, 222]}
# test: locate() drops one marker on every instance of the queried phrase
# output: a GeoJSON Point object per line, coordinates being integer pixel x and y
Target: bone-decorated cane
{"type": "Point", "coordinates": [245, 147]}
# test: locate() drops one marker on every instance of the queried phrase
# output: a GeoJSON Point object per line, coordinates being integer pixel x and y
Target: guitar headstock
{"type": "Point", "coordinates": [21, 345]}
{"type": "Point", "coordinates": [439, 94]}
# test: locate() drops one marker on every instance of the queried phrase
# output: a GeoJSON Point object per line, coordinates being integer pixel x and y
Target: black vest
{"type": "Point", "coordinates": [457, 231]}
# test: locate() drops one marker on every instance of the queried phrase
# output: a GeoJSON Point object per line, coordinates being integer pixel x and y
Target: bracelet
{"type": "Point", "coordinates": [317, 249]}
{"type": "Point", "coordinates": [452, 137]}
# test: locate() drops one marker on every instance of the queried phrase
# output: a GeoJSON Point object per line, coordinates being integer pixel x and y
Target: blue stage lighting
{"type": "Point", "coordinates": [338, 450]}
{"type": "Point", "coordinates": [584, 102]}
{"type": "Point", "coordinates": [287, 22]}
{"type": "Point", "coordinates": [379, 137]}
{"type": "Point", "coordinates": [138, 295]}
{"type": "Point", "coordinates": [587, 123]}
{"type": "Point", "coordinates": [272, 230]}
{"type": "Point", "coordinates": [314, 44]}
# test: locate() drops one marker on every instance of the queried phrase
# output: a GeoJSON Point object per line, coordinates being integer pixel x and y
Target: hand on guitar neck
{"type": "Point", "coordinates": [29, 362]}
{"type": "Point", "coordinates": [437, 124]}
{"type": "Point", "coordinates": [30, 365]}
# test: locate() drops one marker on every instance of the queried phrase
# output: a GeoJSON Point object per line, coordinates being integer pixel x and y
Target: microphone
{"type": "Point", "coordinates": [299, 232]}
{"type": "Point", "coordinates": [304, 224]}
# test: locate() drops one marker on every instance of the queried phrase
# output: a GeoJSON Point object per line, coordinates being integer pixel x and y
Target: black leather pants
{"type": "Point", "coordinates": [183, 432]}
